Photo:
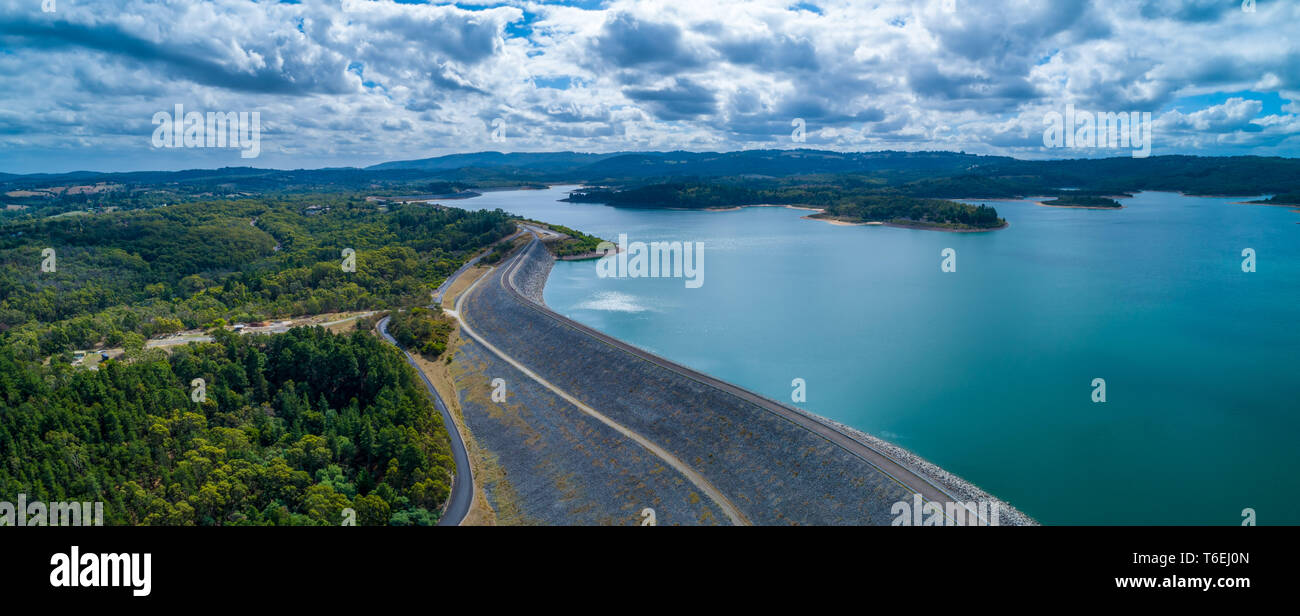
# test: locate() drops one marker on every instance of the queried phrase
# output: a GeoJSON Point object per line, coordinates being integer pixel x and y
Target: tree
{"type": "Point", "coordinates": [256, 452]}
{"type": "Point", "coordinates": [371, 510]}
{"type": "Point", "coordinates": [323, 504]}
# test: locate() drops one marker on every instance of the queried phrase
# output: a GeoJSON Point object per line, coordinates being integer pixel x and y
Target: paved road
{"type": "Point", "coordinates": [462, 487]}
{"type": "Point", "coordinates": [734, 514]}
{"type": "Point", "coordinates": [895, 470]}
{"type": "Point", "coordinates": [887, 465]}
{"type": "Point", "coordinates": [446, 284]}
{"type": "Point", "coordinates": [544, 234]}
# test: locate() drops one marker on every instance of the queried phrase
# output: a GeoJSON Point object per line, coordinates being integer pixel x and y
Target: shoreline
{"type": "Point", "coordinates": [843, 223]}
{"type": "Point", "coordinates": [532, 289]}
{"type": "Point", "coordinates": [1077, 207]}
{"type": "Point", "coordinates": [1187, 194]}
{"type": "Point", "coordinates": [585, 256]}
{"type": "Point", "coordinates": [1294, 207]}
{"type": "Point", "coordinates": [916, 227]}
{"type": "Point", "coordinates": [957, 486]}
{"type": "Point", "coordinates": [732, 208]}
{"type": "Point", "coordinates": [1290, 205]}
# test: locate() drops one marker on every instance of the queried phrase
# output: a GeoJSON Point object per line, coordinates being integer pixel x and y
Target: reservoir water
{"type": "Point", "coordinates": [988, 371]}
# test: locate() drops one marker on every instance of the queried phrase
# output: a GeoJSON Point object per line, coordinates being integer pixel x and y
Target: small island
{"type": "Point", "coordinates": [913, 213]}
{"type": "Point", "coordinates": [1284, 199]}
{"type": "Point", "coordinates": [1083, 201]}
{"type": "Point", "coordinates": [836, 203]}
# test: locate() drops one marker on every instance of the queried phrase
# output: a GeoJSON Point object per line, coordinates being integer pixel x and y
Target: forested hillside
{"type": "Point", "coordinates": [181, 267]}
{"type": "Point", "coordinates": [1083, 201]}
{"type": "Point", "coordinates": [910, 211]}
{"type": "Point", "coordinates": [421, 330]}
{"type": "Point", "coordinates": [295, 428]}
{"type": "Point", "coordinates": [849, 199]}
{"type": "Point", "coordinates": [291, 428]}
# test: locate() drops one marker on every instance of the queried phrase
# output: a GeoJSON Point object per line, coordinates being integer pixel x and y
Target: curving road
{"type": "Point", "coordinates": [446, 284]}
{"type": "Point", "coordinates": [705, 478]}
{"type": "Point", "coordinates": [909, 479]}
{"type": "Point", "coordinates": [895, 471]}
{"type": "Point", "coordinates": [462, 486]}
{"type": "Point", "coordinates": [732, 512]}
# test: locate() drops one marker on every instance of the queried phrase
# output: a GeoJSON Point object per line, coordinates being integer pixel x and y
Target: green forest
{"type": "Point", "coordinates": [293, 428]}
{"type": "Point", "coordinates": [194, 265]}
{"type": "Point", "coordinates": [421, 330]}
{"type": "Point", "coordinates": [909, 211]}
{"type": "Point", "coordinates": [1083, 201]}
{"type": "Point", "coordinates": [848, 199]}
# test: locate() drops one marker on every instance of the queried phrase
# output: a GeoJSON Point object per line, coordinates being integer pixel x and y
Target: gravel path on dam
{"type": "Point", "coordinates": [561, 466]}
{"type": "Point", "coordinates": [773, 470]}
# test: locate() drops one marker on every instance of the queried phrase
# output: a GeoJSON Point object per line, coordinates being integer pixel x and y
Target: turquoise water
{"type": "Point", "coordinates": [987, 371]}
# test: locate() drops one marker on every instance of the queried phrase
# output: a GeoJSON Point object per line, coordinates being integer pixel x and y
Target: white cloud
{"type": "Point", "coordinates": [365, 81]}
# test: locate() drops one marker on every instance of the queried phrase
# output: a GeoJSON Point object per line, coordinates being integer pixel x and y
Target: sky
{"type": "Point", "coordinates": [358, 82]}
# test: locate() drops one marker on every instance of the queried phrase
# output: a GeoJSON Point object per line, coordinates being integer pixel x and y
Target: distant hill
{"type": "Point", "coordinates": [919, 174]}
{"type": "Point", "coordinates": [781, 163]}
{"type": "Point", "coordinates": [230, 179]}
{"type": "Point", "coordinates": [536, 161]}
{"type": "Point", "coordinates": [776, 163]}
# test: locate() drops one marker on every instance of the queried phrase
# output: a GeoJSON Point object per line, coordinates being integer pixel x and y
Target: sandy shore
{"type": "Point", "coordinates": [930, 228]}
{"type": "Point", "coordinates": [918, 227]}
{"type": "Point", "coordinates": [808, 208]}
{"type": "Point", "coordinates": [741, 207]}
{"type": "Point", "coordinates": [1078, 207]}
{"type": "Point", "coordinates": [1290, 205]}
{"type": "Point", "coordinates": [846, 223]}
{"type": "Point", "coordinates": [1211, 196]}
